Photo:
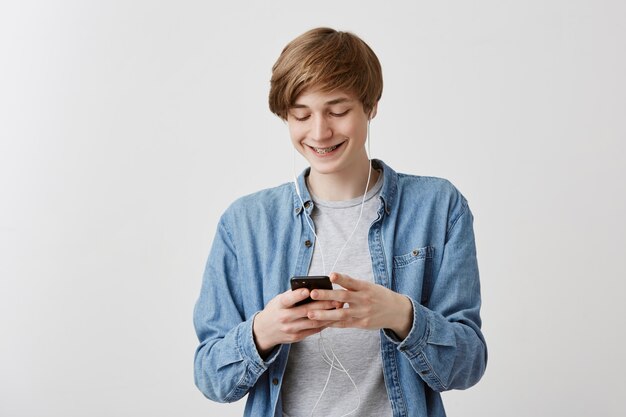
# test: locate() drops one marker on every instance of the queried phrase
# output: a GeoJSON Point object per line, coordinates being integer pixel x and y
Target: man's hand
{"type": "Point", "coordinates": [281, 322]}
{"type": "Point", "coordinates": [371, 306]}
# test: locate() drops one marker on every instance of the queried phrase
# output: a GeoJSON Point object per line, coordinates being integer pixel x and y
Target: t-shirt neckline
{"type": "Point", "coordinates": [353, 201]}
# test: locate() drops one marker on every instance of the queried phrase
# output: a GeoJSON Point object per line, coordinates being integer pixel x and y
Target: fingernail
{"type": "Point", "coordinates": [303, 292]}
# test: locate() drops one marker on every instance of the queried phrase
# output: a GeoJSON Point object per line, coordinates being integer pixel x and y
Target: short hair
{"type": "Point", "coordinates": [328, 60]}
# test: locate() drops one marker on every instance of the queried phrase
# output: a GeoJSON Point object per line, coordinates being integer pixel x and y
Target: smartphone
{"type": "Point", "coordinates": [321, 282]}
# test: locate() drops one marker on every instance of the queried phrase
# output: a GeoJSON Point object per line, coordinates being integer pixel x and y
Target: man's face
{"type": "Point", "coordinates": [329, 130]}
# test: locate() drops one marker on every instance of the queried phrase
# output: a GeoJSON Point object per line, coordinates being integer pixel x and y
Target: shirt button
{"type": "Point", "coordinates": [416, 252]}
{"type": "Point", "coordinates": [307, 243]}
{"type": "Point", "coordinates": [298, 210]}
{"type": "Point", "coordinates": [275, 381]}
{"type": "Point", "coordinates": [307, 204]}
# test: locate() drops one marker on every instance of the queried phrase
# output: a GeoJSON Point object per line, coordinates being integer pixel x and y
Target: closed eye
{"type": "Point", "coordinates": [303, 118]}
{"type": "Point", "coordinates": [340, 114]}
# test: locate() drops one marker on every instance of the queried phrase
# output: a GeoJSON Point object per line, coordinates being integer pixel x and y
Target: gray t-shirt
{"type": "Point", "coordinates": [357, 350]}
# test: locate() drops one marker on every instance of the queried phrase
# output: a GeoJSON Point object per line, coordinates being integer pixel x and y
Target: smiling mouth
{"type": "Point", "coordinates": [324, 151]}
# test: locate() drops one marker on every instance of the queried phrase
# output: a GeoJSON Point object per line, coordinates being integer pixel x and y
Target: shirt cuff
{"type": "Point", "coordinates": [415, 341]}
{"type": "Point", "coordinates": [245, 340]}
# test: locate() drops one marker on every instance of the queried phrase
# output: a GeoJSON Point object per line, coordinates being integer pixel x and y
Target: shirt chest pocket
{"type": "Point", "coordinates": [412, 273]}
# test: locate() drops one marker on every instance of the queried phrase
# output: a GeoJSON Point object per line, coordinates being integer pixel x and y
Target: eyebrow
{"type": "Point", "coordinates": [328, 103]}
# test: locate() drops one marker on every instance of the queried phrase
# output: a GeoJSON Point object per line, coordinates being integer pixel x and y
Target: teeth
{"type": "Point", "coordinates": [323, 151]}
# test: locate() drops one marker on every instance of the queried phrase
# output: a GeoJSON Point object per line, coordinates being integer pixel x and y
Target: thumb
{"type": "Point", "coordinates": [289, 297]}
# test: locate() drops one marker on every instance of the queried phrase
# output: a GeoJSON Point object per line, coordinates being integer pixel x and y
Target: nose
{"type": "Point", "coordinates": [321, 128]}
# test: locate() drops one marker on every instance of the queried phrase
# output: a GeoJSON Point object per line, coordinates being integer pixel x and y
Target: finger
{"type": "Point", "coordinates": [330, 315]}
{"type": "Point", "coordinates": [301, 311]}
{"type": "Point", "coordinates": [306, 324]}
{"type": "Point", "coordinates": [320, 305]}
{"type": "Point", "coordinates": [342, 296]}
{"type": "Point", "coordinates": [289, 297]}
{"type": "Point", "coordinates": [347, 282]}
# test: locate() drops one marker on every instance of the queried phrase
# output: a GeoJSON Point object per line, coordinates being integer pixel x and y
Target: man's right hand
{"type": "Point", "coordinates": [282, 322]}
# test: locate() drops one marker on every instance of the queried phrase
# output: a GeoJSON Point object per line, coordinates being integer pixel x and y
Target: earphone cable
{"type": "Point", "coordinates": [322, 339]}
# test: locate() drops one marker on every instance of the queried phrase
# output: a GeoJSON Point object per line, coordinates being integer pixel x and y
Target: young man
{"type": "Point", "coordinates": [403, 320]}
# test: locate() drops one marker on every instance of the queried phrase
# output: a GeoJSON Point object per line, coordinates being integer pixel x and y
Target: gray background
{"type": "Point", "coordinates": [126, 128]}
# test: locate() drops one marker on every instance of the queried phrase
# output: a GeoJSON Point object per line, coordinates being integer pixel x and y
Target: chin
{"type": "Point", "coordinates": [326, 168]}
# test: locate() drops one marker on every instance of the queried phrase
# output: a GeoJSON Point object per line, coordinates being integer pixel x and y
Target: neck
{"type": "Point", "coordinates": [344, 185]}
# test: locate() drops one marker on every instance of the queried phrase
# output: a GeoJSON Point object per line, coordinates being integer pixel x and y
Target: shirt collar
{"type": "Point", "coordinates": [387, 193]}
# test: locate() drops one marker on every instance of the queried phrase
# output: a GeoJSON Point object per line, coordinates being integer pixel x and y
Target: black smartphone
{"type": "Point", "coordinates": [321, 282]}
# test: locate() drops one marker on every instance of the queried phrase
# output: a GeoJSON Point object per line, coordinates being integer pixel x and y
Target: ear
{"type": "Point", "coordinates": [373, 112]}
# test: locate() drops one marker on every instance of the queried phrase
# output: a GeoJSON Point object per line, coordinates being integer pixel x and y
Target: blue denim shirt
{"type": "Point", "coordinates": [421, 245]}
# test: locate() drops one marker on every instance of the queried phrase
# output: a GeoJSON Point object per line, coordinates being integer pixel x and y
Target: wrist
{"type": "Point", "coordinates": [404, 317]}
{"type": "Point", "coordinates": [264, 347]}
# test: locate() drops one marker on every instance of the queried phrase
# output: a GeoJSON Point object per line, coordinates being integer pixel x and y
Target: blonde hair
{"type": "Point", "coordinates": [328, 60]}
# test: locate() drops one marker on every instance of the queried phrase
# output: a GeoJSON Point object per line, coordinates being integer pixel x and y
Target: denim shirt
{"type": "Point", "coordinates": [421, 245]}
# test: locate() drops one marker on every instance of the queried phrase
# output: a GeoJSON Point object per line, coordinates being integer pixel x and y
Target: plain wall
{"type": "Point", "coordinates": [127, 127]}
